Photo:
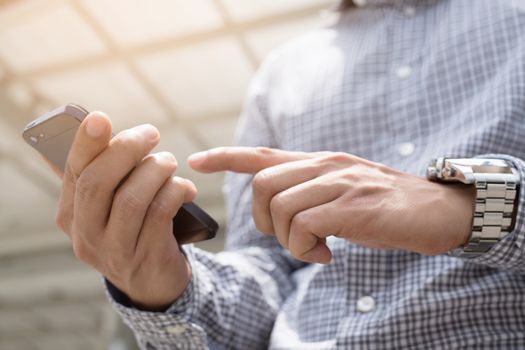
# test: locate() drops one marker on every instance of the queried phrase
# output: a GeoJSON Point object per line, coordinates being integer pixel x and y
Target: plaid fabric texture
{"type": "Point", "coordinates": [396, 82]}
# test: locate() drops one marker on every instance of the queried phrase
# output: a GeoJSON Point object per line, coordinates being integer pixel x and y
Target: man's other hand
{"type": "Point", "coordinates": [117, 204]}
{"type": "Point", "coordinates": [303, 198]}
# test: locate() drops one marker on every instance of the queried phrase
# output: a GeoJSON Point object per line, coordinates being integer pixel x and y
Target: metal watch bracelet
{"type": "Point", "coordinates": [497, 185]}
{"type": "Point", "coordinates": [493, 213]}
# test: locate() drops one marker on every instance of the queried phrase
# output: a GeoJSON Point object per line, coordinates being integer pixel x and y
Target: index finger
{"type": "Point", "coordinates": [242, 159]}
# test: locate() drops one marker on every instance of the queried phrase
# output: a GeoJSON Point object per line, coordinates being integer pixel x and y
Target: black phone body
{"type": "Point", "coordinates": [52, 135]}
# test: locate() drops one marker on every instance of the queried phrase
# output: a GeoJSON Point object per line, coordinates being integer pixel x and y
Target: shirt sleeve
{"type": "Point", "coordinates": [509, 253]}
{"type": "Point", "coordinates": [234, 296]}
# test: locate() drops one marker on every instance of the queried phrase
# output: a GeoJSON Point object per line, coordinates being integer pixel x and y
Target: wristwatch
{"type": "Point", "coordinates": [497, 188]}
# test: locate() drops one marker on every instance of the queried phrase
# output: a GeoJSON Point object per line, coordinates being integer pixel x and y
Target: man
{"type": "Point", "coordinates": [361, 250]}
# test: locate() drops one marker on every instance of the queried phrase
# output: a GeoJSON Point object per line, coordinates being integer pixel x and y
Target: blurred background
{"type": "Point", "coordinates": [182, 65]}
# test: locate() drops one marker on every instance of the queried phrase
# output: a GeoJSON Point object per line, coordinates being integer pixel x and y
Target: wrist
{"type": "Point", "coordinates": [461, 201]}
{"type": "Point", "coordinates": [158, 297]}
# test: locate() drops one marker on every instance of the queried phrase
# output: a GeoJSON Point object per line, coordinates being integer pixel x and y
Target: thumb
{"type": "Point", "coordinates": [242, 159]}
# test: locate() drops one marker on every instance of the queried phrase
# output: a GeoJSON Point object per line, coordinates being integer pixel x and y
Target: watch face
{"type": "Point", "coordinates": [492, 169]}
{"type": "Point", "coordinates": [484, 165]}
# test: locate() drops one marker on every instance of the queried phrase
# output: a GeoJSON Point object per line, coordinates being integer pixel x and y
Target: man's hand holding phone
{"type": "Point", "coordinates": [117, 204]}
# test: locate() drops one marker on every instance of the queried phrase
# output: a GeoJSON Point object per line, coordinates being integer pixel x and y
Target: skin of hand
{"type": "Point", "coordinates": [117, 204]}
{"type": "Point", "coordinates": [303, 198]}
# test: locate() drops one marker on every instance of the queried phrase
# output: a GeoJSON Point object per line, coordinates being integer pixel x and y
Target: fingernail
{"type": "Point", "coordinates": [197, 157]}
{"type": "Point", "coordinates": [149, 131]}
{"type": "Point", "coordinates": [96, 125]}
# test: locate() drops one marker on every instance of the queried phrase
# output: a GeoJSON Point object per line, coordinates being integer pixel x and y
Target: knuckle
{"type": "Point", "coordinates": [263, 223]}
{"type": "Point", "coordinates": [126, 138]}
{"type": "Point", "coordinates": [300, 222]}
{"type": "Point", "coordinates": [80, 250]}
{"type": "Point", "coordinates": [177, 181]}
{"type": "Point", "coordinates": [279, 204]}
{"type": "Point", "coordinates": [160, 210]}
{"type": "Point", "coordinates": [69, 174]}
{"type": "Point", "coordinates": [347, 176]}
{"type": "Point", "coordinates": [260, 183]}
{"type": "Point", "coordinates": [87, 185]}
{"type": "Point", "coordinates": [62, 219]}
{"type": "Point", "coordinates": [322, 153]}
{"type": "Point", "coordinates": [163, 160]}
{"type": "Point", "coordinates": [188, 190]}
{"type": "Point", "coordinates": [295, 249]}
{"type": "Point", "coordinates": [263, 151]}
{"type": "Point", "coordinates": [128, 203]}
{"type": "Point", "coordinates": [131, 141]}
{"type": "Point", "coordinates": [227, 151]}
{"type": "Point", "coordinates": [180, 186]}
{"type": "Point", "coordinates": [337, 158]}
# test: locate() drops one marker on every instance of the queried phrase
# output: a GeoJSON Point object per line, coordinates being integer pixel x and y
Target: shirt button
{"type": "Point", "coordinates": [366, 304]}
{"type": "Point", "coordinates": [406, 148]}
{"type": "Point", "coordinates": [360, 3]}
{"type": "Point", "coordinates": [403, 72]}
{"type": "Point", "coordinates": [409, 11]}
{"type": "Point", "coordinates": [179, 329]}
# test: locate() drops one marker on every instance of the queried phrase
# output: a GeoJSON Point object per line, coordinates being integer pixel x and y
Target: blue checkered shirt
{"type": "Point", "coordinates": [396, 82]}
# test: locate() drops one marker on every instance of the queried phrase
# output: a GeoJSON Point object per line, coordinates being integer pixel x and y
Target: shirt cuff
{"type": "Point", "coordinates": [169, 327]}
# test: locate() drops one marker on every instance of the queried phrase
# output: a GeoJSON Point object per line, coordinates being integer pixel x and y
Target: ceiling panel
{"type": "Point", "coordinates": [217, 133]}
{"type": "Point", "coordinates": [28, 161]}
{"type": "Point", "coordinates": [110, 88]}
{"type": "Point", "coordinates": [32, 163]}
{"type": "Point", "coordinates": [13, 11]}
{"type": "Point", "coordinates": [178, 142]}
{"type": "Point", "coordinates": [42, 108]}
{"type": "Point", "coordinates": [53, 34]}
{"type": "Point", "coordinates": [20, 94]}
{"type": "Point", "coordinates": [154, 19]}
{"type": "Point", "coordinates": [200, 79]}
{"type": "Point", "coordinates": [242, 10]}
{"type": "Point", "coordinates": [23, 205]}
{"type": "Point", "coordinates": [8, 138]}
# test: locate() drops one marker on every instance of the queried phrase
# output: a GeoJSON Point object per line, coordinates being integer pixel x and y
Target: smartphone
{"type": "Point", "coordinates": [52, 135]}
